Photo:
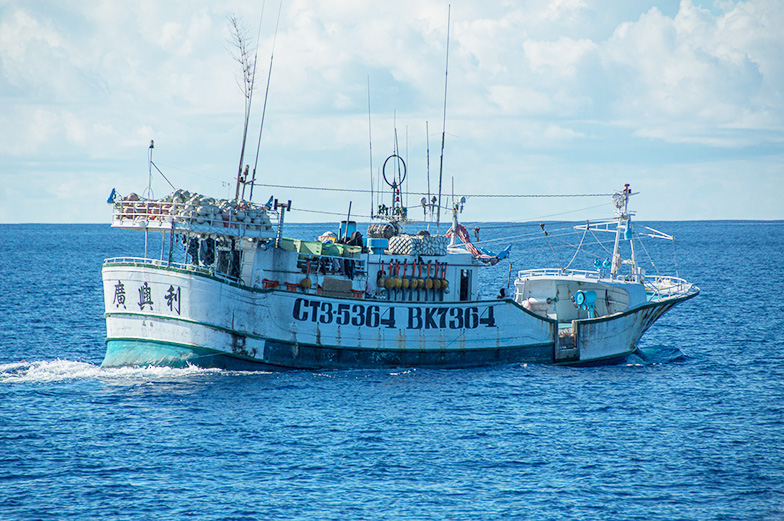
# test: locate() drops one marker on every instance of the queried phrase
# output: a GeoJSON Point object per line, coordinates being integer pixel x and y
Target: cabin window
{"type": "Point", "coordinates": [465, 284]}
{"type": "Point", "coordinates": [229, 263]}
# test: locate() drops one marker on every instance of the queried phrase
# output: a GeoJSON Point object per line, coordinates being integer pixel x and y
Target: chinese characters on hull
{"type": "Point", "coordinates": [119, 295]}
{"type": "Point", "coordinates": [173, 297]}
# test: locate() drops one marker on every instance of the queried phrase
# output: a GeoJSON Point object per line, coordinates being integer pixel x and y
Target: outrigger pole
{"type": "Point", "coordinates": [443, 132]}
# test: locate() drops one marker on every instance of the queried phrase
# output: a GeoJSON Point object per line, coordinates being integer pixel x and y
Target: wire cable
{"type": "Point", "coordinates": [362, 191]}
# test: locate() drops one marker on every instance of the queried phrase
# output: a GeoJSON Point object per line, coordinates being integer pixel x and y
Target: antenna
{"type": "Point", "coordinates": [266, 95]}
{"type": "Point", "coordinates": [370, 141]}
{"type": "Point", "coordinates": [427, 140]}
{"type": "Point", "coordinates": [396, 149]}
{"type": "Point", "coordinates": [443, 132]}
{"type": "Point", "coordinates": [248, 80]}
{"type": "Point", "coordinates": [148, 192]}
{"type": "Point", "coordinates": [406, 163]}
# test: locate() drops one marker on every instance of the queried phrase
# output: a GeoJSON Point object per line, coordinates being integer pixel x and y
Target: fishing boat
{"type": "Point", "coordinates": [231, 290]}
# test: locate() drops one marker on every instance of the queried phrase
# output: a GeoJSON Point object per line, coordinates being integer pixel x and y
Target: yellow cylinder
{"type": "Point", "coordinates": [444, 283]}
{"type": "Point", "coordinates": [389, 283]}
{"type": "Point", "coordinates": [413, 284]}
{"type": "Point", "coordinates": [305, 284]}
{"type": "Point", "coordinates": [437, 284]}
{"type": "Point", "coordinates": [429, 283]}
{"type": "Point", "coordinates": [406, 283]}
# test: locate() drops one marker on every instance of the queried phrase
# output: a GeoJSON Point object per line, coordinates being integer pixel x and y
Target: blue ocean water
{"type": "Point", "coordinates": [692, 429]}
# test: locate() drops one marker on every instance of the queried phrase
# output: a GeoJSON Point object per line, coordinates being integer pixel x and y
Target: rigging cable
{"type": "Point", "coordinates": [159, 171]}
{"type": "Point", "coordinates": [361, 191]}
{"type": "Point", "coordinates": [579, 246]}
{"type": "Point", "coordinates": [600, 243]}
{"type": "Point", "coordinates": [641, 243]}
{"type": "Point", "coordinates": [551, 247]}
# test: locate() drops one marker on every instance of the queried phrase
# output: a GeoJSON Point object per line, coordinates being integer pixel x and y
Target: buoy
{"type": "Point", "coordinates": [406, 283]}
{"type": "Point", "coordinates": [437, 283]}
{"type": "Point", "coordinates": [413, 284]}
{"type": "Point", "coordinates": [429, 283]}
{"type": "Point", "coordinates": [305, 283]}
{"type": "Point", "coordinates": [444, 283]}
{"type": "Point", "coordinates": [389, 283]}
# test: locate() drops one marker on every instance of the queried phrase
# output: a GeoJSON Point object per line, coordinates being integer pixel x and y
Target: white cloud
{"type": "Point", "coordinates": [564, 86]}
{"type": "Point", "coordinates": [697, 72]}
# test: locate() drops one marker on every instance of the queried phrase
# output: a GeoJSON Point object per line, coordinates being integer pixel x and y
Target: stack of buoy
{"type": "Point", "coordinates": [392, 277]}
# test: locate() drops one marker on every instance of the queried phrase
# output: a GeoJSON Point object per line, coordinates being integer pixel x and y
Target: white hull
{"type": "Point", "coordinates": [158, 315]}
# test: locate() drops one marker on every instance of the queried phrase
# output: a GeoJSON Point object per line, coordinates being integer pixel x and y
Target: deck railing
{"type": "Point", "coordinates": [204, 270]}
{"type": "Point", "coordinates": [657, 286]}
{"type": "Point", "coordinates": [243, 220]}
{"type": "Point", "coordinates": [556, 272]}
{"type": "Point", "coordinates": [660, 286]}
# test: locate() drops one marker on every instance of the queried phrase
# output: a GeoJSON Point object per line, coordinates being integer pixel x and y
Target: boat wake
{"type": "Point", "coordinates": [48, 371]}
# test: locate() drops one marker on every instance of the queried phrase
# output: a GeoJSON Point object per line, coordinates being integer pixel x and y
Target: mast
{"type": "Point", "coordinates": [621, 200]}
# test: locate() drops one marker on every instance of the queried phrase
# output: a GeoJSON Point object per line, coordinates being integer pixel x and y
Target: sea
{"type": "Point", "coordinates": [692, 428]}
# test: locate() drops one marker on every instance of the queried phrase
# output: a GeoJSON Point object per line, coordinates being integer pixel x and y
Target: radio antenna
{"type": "Point", "coordinates": [443, 132]}
{"type": "Point", "coordinates": [370, 142]}
{"type": "Point", "coordinates": [248, 79]}
{"type": "Point", "coordinates": [266, 95]}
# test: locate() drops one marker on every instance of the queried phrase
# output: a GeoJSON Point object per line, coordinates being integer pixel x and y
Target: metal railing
{"type": "Point", "coordinates": [136, 261]}
{"type": "Point", "coordinates": [660, 286]}
{"type": "Point", "coordinates": [240, 220]}
{"type": "Point", "coordinates": [556, 272]}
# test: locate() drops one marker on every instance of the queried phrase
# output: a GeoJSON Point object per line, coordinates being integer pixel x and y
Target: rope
{"type": "Point", "coordinates": [579, 246]}
{"type": "Point", "coordinates": [551, 247]}
{"type": "Point", "coordinates": [650, 259]}
{"type": "Point", "coordinates": [600, 243]}
{"type": "Point", "coordinates": [159, 171]}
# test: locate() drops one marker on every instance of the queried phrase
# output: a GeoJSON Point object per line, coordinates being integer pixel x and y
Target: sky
{"type": "Point", "coordinates": [682, 100]}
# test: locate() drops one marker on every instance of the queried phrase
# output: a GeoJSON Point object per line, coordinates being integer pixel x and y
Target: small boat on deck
{"type": "Point", "coordinates": [230, 290]}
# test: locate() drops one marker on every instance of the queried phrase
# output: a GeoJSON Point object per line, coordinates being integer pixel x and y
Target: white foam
{"type": "Point", "coordinates": [65, 370]}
